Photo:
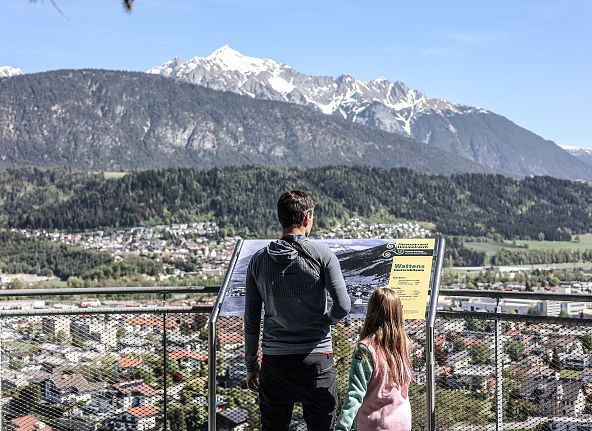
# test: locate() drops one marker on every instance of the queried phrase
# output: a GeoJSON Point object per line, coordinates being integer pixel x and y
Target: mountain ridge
{"type": "Point", "coordinates": [584, 154]}
{"type": "Point", "coordinates": [96, 119]}
{"type": "Point", "coordinates": [470, 132]}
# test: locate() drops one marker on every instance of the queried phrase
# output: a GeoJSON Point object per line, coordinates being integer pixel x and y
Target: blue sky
{"type": "Point", "coordinates": [529, 60]}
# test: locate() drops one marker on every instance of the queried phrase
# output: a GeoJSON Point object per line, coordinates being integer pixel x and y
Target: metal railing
{"type": "Point", "coordinates": [546, 360]}
{"type": "Point", "coordinates": [104, 358]}
{"type": "Point", "coordinates": [491, 371]}
{"type": "Point", "coordinates": [115, 364]}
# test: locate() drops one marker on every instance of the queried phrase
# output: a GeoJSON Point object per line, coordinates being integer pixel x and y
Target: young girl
{"type": "Point", "coordinates": [377, 397]}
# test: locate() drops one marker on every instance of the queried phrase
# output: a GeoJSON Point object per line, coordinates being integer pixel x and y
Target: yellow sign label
{"type": "Point", "coordinates": [411, 273]}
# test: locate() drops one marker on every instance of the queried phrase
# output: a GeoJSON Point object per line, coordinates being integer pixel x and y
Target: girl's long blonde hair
{"type": "Point", "coordinates": [384, 326]}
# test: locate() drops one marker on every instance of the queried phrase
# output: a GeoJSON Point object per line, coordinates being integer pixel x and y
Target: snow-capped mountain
{"type": "Point", "coordinates": [584, 154]}
{"type": "Point", "coordinates": [390, 106]}
{"type": "Point", "coordinates": [469, 132]}
{"type": "Point", "coordinates": [8, 71]}
{"type": "Point", "coordinates": [147, 121]}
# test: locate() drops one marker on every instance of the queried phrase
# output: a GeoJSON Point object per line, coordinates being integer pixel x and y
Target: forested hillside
{"type": "Point", "coordinates": [108, 120]}
{"type": "Point", "coordinates": [20, 254]}
{"type": "Point", "coordinates": [242, 200]}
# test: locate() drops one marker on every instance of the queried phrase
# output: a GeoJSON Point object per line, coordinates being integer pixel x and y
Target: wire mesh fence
{"type": "Point", "coordinates": [71, 370]}
{"type": "Point", "coordinates": [116, 371]}
{"type": "Point", "coordinates": [237, 406]}
{"type": "Point", "coordinates": [528, 376]}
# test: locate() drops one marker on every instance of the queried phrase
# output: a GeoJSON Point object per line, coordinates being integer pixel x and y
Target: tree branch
{"type": "Point", "coordinates": [128, 4]}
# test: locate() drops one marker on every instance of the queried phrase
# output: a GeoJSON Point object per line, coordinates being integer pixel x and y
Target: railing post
{"type": "Point", "coordinates": [165, 367]}
{"type": "Point", "coordinates": [499, 369]}
{"type": "Point", "coordinates": [1, 372]}
{"type": "Point", "coordinates": [212, 339]}
{"type": "Point", "coordinates": [430, 337]}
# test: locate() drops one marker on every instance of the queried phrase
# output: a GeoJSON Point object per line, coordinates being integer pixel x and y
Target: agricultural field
{"type": "Point", "coordinates": [491, 247]}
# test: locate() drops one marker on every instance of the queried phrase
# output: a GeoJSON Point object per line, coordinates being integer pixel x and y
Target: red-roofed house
{"type": "Point", "coordinates": [189, 359]}
{"type": "Point", "coordinates": [27, 423]}
{"type": "Point", "coordinates": [128, 365]}
{"type": "Point", "coordinates": [231, 340]}
{"type": "Point", "coordinates": [141, 418]}
{"type": "Point", "coordinates": [123, 396]}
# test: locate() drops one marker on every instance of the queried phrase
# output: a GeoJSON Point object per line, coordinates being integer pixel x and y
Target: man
{"type": "Point", "coordinates": [292, 277]}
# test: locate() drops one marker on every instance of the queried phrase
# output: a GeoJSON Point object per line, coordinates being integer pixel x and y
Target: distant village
{"type": "Point", "coordinates": [71, 371]}
{"type": "Point", "coordinates": [198, 245]}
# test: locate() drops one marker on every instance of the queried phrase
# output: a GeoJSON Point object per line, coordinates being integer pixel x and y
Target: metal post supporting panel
{"type": "Point", "coordinates": [212, 339]}
{"type": "Point", "coordinates": [430, 336]}
{"type": "Point", "coordinates": [499, 370]}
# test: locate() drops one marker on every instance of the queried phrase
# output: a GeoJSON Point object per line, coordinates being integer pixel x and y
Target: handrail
{"type": "Point", "coordinates": [106, 310]}
{"type": "Point", "coordinates": [141, 290]}
{"type": "Point", "coordinates": [69, 291]}
{"type": "Point", "coordinates": [430, 334]}
{"type": "Point", "coordinates": [435, 290]}
{"type": "Point", "coordinates": [528, 318]}
{"type": "Point", "coordinates": [503, 294]}
{"type": "Point", "coordinates": [212, 339]}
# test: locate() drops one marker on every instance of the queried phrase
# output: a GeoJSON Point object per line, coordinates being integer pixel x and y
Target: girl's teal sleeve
{"type": "Point", "coordinates": [359, 376]}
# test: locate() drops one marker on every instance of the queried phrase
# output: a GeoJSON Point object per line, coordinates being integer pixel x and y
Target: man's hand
{"type": "Point", "coordinates": [253, 380]}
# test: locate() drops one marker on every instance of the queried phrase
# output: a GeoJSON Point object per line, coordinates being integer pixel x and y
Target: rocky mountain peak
{"type": "Point", "coordinates": [464, 131]}
{"type": "Point", "coordinates": [345, 96]}
{"type": "Point", "coordinates": [584, 154]}
{"type": "Point", "coordinates": [232, 60]}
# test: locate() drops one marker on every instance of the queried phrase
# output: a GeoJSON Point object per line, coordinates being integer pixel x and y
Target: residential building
{"type": "Point", "coordinates": [586, 376]}
{"type": "Point", "coordinates": [120, 397]}
{"type": "Point", "coordinates": [458, 360]}
{"type": "Point", "coordinates": [56, 326]}
{"type": "Point", "coordinates": [128, 365]}
{"type": "Point", "coordinates": [95, 331]}
{"type": "Point", "coordinates": [232, 420]}
{"type": "Point", "coordinates": [570, 424]}
{"type": "Point", "coordinates": [66, 388]}
{"type": "Point", "coordinates": [189, 360]}
{"type": "Point", "coordinates": [559, 398]}
{"type": "Point", "coordinates": [27, 423]}
{"type": "Point", "coordinates": [141, 418]}
{"type": "Point", "coordinates": [474, 377]}
{"type": "Point", "coordinates": [576, 361]}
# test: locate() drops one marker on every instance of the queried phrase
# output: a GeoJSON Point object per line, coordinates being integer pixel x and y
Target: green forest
{"type": "Point", "coordinates": [242, 200]}
{"type": "Point", "coordinates": [30, 255]}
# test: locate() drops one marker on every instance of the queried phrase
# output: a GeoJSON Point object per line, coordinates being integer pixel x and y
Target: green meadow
{"type": "Point", "coordinates": [491, 247]}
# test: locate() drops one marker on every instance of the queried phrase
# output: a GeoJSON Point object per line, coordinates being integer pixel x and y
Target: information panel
{"type": "Point", "coordinates": [411, 272]}
{"type": "Point", "coordinates": [366, 264]}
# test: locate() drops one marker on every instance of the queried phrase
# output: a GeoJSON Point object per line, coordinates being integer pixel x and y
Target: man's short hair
{"type": "Point", "coordinates": [292, 206]}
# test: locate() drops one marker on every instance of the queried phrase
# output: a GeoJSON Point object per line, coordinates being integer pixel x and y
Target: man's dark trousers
{"type": "Point", "coordinates": [305, 378]}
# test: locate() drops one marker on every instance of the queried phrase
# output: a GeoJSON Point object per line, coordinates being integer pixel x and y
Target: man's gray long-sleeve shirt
{"type": "Point", "coordinates": [294, 296]}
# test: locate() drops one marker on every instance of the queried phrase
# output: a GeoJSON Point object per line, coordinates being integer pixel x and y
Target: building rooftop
{"type": "Point", "coordinates": [28, 423]}
{"type": "Point", "coordinates": [142, 411]}
{"type": "Point", "coordinates": [130, 362]}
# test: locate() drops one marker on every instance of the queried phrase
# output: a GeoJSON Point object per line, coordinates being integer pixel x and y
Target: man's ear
{"type": "Point", "coordinates": [307, 219]}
